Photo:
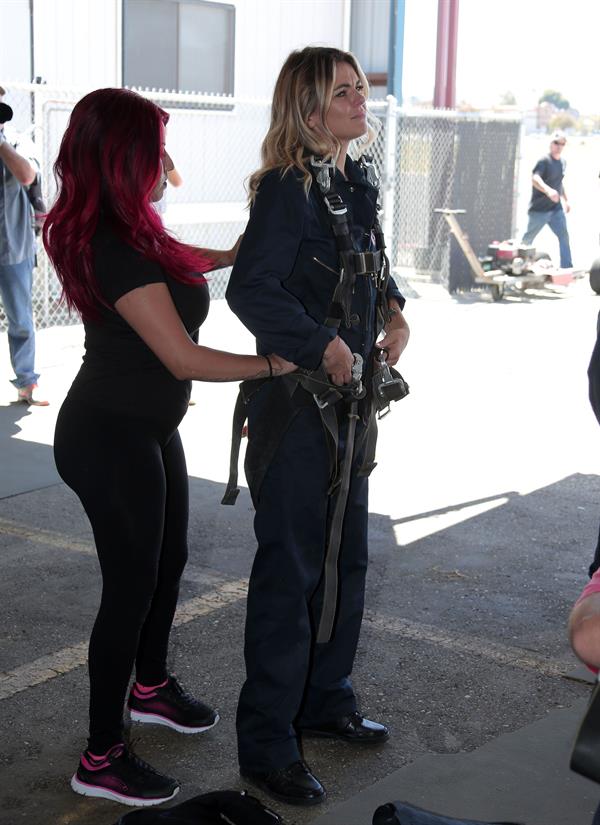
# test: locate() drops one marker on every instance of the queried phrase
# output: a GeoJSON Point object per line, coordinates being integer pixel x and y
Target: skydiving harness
{"type": "Point", "coordinates": [386, 385]}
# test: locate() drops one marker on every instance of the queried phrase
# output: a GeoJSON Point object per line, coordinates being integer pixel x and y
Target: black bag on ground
{"type": "Point", "coordinates": [215, 808]}
{"type": "Point", "coordinates": [585, 756]}
{"type": "Point", "coordinates": [401, 813]}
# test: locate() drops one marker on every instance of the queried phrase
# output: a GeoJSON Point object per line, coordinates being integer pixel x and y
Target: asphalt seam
{"type": "Point", "coordinates": [473, 645]}
{"type": "Point", "coordinates": [230, 592]}
{"type": "Point", "coordinates": [69, 658]}
{"type": "Point", "coordinates": [49, 538]}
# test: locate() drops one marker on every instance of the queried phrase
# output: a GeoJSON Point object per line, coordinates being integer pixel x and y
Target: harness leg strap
{"type": "Point", "coordinates": [331, 584]}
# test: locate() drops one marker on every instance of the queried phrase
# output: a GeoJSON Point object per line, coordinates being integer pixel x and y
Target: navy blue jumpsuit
{"type": "Point", "coordinates": [280, 288]}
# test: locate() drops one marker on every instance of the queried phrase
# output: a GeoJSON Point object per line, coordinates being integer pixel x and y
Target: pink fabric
{"type": "Point", "coordinates": [593, 586]}
{"type": "Point", "coordinates": [94, 762]}
{"type": "Point", "coordinates": [145, 692]}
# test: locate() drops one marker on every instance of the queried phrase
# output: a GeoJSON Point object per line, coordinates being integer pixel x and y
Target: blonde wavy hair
{"type": "Point", "coordinates": [305, 85]}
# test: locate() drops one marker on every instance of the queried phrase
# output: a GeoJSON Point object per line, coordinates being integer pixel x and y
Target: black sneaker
{"type": "Point", "coordinates": [123, 777]}
{"type": "Point", "coordinates": [171, 706]}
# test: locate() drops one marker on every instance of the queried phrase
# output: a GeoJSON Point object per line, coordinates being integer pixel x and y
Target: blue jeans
{"type": "Point", "coordinates": [15, 293]}
{"type": "Point", "coordinates": [557, 221]}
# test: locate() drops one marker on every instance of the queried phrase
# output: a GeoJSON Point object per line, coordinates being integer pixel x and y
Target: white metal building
{"type": "Point", "coordinates": [234, 47]}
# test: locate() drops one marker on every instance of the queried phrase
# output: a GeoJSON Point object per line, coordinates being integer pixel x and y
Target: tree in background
{"type": "Point", "coordinates": [554, 97]}
{"type": "Point", "coordinates": [508, 99]}
{"type": "Point", "coordinates": [562, 121]}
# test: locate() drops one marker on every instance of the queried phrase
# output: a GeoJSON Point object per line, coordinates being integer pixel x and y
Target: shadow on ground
{"type": "Point", "coordinates": [445, 614]}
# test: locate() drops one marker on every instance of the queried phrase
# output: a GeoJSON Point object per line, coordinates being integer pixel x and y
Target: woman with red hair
{"type": "Point", "coordinates": [142, 299]}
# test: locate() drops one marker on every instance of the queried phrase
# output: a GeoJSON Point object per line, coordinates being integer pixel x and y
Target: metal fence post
{"type": "Point", "coordinates": [389, 170]}
{"type": "Point", "coordinates": [39, 135]}
{"type": "Point", "coordinates": [517, 180]}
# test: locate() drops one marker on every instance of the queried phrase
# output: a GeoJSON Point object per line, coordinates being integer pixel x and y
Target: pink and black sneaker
{"type": "Point", "coordinates": [168, 704]}
{"type": "Point", "coordinates": [123, 777]}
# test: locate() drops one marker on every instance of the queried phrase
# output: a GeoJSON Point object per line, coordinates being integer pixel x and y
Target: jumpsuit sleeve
{"type": "Point", "coordinates": [392, 291]}
{"type": "Point", "coordinates": [257, 291]}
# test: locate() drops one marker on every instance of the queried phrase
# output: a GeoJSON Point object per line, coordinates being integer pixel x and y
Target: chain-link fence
{"type": "Point", "coordinates": [427, 160]}
{"type": "Point", "coordinates": [441, 159]}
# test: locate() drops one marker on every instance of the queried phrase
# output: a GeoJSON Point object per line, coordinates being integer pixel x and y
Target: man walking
{"type": "Point", "coordinates": [17, 254]}
{"type": "Point", "coordinates": [549, 201]}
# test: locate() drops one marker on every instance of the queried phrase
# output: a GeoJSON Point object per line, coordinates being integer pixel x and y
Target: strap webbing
{"type": "Point", "coordinates": [239, 417]}
{"type": "Point", "coordinates": [331, 584]}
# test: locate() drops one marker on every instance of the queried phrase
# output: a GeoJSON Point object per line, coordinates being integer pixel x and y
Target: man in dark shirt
{"type": "Point", "coordinates": [549, 200]}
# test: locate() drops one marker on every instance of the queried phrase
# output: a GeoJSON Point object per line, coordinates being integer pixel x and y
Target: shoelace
{"type": "Point", "coordinates": [186, 699]}
{"type": "Point", "coordinates": [183, 695]}
{"type": "Point", "coordinates": [134, 761]}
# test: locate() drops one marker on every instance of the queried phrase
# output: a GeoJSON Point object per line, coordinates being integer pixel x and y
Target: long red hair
{"type": "Point", "coordinates": [108, 164]}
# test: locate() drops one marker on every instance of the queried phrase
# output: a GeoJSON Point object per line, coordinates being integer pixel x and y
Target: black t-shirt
{"type": "Point", "coordinates": [551, 171]}
{"type": "Point", "coordinates": [120, 373]}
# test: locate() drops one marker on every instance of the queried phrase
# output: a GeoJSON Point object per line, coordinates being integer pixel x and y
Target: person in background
{"type": "Point", "coordinates": [142, 299]}
{"type": "Point", "coordinates": [17, 257]}
{"type": "Point", "coordinates": [549, 203]}
{"type": "Point", "coordinates": [584, 635]}
{"type": "Point", "coordinates": [173, 178]}
{"type": "Point", "coordinates": [584, 620]}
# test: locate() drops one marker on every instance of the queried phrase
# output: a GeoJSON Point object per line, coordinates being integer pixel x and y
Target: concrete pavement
{"type": "Point", "coordinates": [484, 516]}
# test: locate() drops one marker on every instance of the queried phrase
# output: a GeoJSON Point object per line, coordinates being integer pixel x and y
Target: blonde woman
{"type": "Point", "coordinates": [313, 209]}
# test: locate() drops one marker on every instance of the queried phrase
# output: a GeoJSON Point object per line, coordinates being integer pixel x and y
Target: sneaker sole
{"type": "Point", "coordinates": [155, 719]}
{"type": "Point", "coordinates": [104, 793]}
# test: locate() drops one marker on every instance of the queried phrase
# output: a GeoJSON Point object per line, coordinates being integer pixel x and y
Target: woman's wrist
{"type": "Point", "coordinates": [270, 364]}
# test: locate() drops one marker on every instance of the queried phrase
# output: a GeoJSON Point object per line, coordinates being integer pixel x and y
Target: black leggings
{"type": "Point", "coordinates": [134, 488]}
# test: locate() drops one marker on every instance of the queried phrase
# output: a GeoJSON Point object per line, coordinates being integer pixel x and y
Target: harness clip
{"type": "Point", "coordinates": [366, 161]}
{"type": "Point", "coordinates": [335, 204]}
{"type": "Point", "coordinates": [358, 390]}
{"type": "Point", "coordinates": [388, 386]}
{"type": "Point", "coordinates": [325, 170]}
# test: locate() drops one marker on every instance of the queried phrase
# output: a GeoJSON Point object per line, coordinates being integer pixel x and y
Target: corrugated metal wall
{"type": "Point", "coordinates": [78, 43]}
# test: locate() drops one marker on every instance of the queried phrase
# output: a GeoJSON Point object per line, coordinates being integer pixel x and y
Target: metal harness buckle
{"type": "Point", "coordinates": [366, 161]}
{"type": "Point", "coordinates": [325, 171]}
{"type": "Point", "coordinates": [335, 204]}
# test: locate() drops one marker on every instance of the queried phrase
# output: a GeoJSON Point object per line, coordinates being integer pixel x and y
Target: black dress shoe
{"type": "Point", "coordinates": [353, 728]}
{"type": "Point", "coordinates": [295, 784]}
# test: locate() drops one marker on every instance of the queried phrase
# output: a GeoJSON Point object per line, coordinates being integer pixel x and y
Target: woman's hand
{"type": "Point", "coordinates": [337, 361]}
{"type": "Point", "coordinates": [220, 258]}
{"type": "Point", "coordinates": [394, 342]}
{"type": "Point", "coordinates": [280, 365]}
{"type": "Point", "coordinates": [396, 335]}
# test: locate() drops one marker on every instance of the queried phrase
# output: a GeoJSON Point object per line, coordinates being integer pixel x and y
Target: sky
{"type": "Point", "coordinates": [522, 46]}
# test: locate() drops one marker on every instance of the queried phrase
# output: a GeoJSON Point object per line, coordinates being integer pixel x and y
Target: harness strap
{"type": "Point", "coordinates": [368, 263]}
{"type": "Point", "coordinates": [239, 417]}
{"type": "Point", "coordinates": [369, 439]}
{"type": "Point", "coordinates": [330, 584]}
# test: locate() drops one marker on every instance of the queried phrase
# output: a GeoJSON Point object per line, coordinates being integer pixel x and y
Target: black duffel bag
{"type": "Point", "coordinates": [215, 808]}
{"type": "Point", "coordinates": [401, 813]}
